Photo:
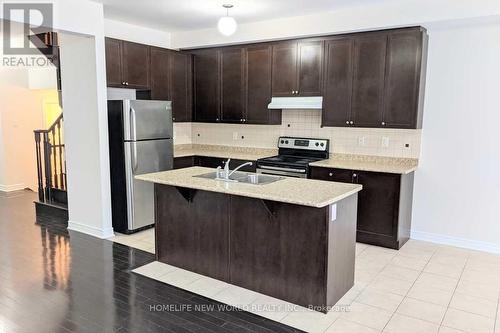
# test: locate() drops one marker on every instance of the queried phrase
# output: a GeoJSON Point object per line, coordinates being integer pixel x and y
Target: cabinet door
{"type": "Point", "coordinates": [402, 79]}
{"type": "Point", "coordinates": [160, 74]}
{"type": "Point", "coordinates": [284, 77]}
{"type": "Point", "coordinates": [368, 81]}
{"type": "Point", "coordinates": [310, 68]}
{"type": "Point", "coordinates": [378, 204]}
{"type": "Point", "coordinates": [232, 81]}
{"type": "Point", "coordinates": [338, 82]}
{"type": "Point", "coordinates": [333, 175]}
{"type": "Point", "coordinates": [181, 86]}
{"type": "Point", "coordinates": [282, 256]}
{"type": "Point", "coordinates": [114, 62]}
{"type": "Point", "coordinates": [192, 239]}
{"type": "Point", "coordinates": [206, 85]}
{"type": "Point", "coordinates": [258, 84]}
{"type": "Point", "coordinates": [136, 65]}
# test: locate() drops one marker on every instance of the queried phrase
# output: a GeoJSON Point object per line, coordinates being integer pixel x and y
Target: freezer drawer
{"type": "Point", "coordinates": [144, 157]}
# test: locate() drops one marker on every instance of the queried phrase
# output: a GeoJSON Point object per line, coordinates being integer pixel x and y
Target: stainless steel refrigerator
{"type": "Point", "coordinates": [140, 141]}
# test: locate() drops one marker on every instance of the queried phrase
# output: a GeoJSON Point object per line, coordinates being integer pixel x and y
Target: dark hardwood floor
{"type": "Point", "coordinates": [52, 280]}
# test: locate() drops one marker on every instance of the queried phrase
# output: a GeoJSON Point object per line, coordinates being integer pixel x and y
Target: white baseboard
{"type": "Point", "coordinates": [92, 231]}
{"type": "Point", "coordinates": [12, 188]}
{"type": "Point", "coordinates": [456, 241]}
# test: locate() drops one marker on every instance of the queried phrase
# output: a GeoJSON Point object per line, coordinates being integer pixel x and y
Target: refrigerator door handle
{"type": "Point", "coordinates": [133, 125]}
{"type": "Point", "coordinates": [133, 157]}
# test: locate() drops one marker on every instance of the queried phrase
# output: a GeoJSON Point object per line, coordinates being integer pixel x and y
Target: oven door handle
{"type": "Point", "coordinates": [282, 169]}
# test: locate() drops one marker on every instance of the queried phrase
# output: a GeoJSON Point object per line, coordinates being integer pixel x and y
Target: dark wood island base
{"type": "Point", "coordinates": [300, 254]}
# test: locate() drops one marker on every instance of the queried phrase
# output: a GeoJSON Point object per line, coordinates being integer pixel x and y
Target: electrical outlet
{"type": "Point", "coordinates": [361, 141]}
{"type": "Point", "coordinates": [385, 142]}
{"type": "Point", "coordinates": [235, 136]}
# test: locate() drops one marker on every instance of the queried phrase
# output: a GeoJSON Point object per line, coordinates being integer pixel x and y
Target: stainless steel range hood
{"type": "Point", "coordinates": [301, 103]}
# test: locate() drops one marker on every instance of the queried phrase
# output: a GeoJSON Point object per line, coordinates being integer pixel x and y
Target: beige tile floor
{"type": "Point", "coordinates": [143, 240]}
{"type": "Point", "coordinates": [424, 287]}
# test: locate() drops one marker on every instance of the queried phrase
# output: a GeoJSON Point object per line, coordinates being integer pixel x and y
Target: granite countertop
{"type": "Point", "coordinates": [369, 163]}
{"type": "Point", "coordinates": [239, 153]}
{"type": "Point", "coordinates": [305, 192]}
{"type": "Point", "coordinates": [339, 161]}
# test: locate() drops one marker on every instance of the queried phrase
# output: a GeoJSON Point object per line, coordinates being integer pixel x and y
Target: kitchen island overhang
{"type": "Point", "coordinates": [293, 239]}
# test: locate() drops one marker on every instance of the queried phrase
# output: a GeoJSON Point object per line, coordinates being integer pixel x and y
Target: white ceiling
{"type": "Point", "coordinates": [176, 15]}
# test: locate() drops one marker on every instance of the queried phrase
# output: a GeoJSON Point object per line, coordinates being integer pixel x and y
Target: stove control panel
{"type": "Point", "coordinates": [303, 143]}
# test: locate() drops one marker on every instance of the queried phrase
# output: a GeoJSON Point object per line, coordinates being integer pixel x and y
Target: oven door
{"type": "Point", "coordinates": [282, 171]}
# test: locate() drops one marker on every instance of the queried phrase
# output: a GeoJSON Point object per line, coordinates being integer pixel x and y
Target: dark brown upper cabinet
{"type": "Point", "coordinates": [297, 68]}
{"type": "Point", "coordinates": [160, 74]}
{"type": "Point", "coordinates": [206, 85]}
{"type": "Point", "coordinates": [310, 68]}
{"type": "Point", "coordinates": [258, 69]}
{"type": "Point", "coordinates": [127, 64]}
{"type": "Point", "coordinates": [232, 85]}
{"type": "Point", "coordinates": [114, 74]}
{"type": "Point", "coordinates": [368, 80]}
{"type": "Point", "coordinates": [405, 79]}
{"type": "Point", "coordinates": [375, 79]}
{"type": "Point", "coordinates": [181, 86]}
{"type": "Point", "coordinates": [284, 69]}
{"type": "Point", "coordinates": [135, 62]}
{"type": "Point", "coordinates": [339, 54]}
{"type": "Point", "coordinates": [171, 81]}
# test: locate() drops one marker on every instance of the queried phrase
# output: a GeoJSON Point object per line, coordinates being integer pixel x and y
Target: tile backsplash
{"type": "Point", "coordinates": [304, 123]}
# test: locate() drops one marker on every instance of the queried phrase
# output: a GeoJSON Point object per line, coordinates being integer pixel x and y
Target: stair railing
{"type": "Point", "coordinates": [51, 160]}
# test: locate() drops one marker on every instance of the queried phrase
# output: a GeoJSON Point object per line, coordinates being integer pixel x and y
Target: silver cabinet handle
{"type": "Point", "coordinates": [347, 122]}
{"type": "Point", "coordinates": [383, 123]}
{"type": "Point", "coordinates": [352, 122]}
{"type": "Point", "coordinates": [330, 174]}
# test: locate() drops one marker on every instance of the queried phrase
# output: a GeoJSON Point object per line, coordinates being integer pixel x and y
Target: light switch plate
{"type": "Point", "coordinates": [235, 136]}
{"type": "Point", "coordinates": [361, 141]}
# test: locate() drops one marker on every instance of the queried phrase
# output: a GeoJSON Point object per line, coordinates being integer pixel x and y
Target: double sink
{"type": "Point", "coordinates": [242, 177]}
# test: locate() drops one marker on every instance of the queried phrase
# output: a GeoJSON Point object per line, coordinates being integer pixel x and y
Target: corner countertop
{"type": "Point", "coordinates": [339, 161]}
{"type": "Point", "coordinates": [304, 192]}
{"type": "Point", "coordinates": [369, 163]}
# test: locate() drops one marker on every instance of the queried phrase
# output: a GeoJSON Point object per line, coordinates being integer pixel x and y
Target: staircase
{"type": "Point", "coordinates": [52, 204]}
{"type": "Point", "coordinates": [51, 173]}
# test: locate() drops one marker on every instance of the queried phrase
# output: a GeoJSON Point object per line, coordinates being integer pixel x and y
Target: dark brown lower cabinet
{"type": "Point", "coordinates": [184, 162]}
{"type": "Point", "coordinates": [295, 253]}
{"type": "Point", "coordinates": [385, 204]}
{"type": "Point", "coordinates": [197, 240]}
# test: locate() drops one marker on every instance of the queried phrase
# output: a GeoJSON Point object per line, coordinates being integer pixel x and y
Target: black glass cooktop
{"type": "Point", "coordinates": [287, 159]}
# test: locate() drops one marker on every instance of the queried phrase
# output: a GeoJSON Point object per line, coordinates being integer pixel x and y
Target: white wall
{"type": "Point", "coordinates": [457, 186]}
{"type": "Point", "coordinates": [134, 33]}
{"type": "Point", "coordinates": [86, 137]}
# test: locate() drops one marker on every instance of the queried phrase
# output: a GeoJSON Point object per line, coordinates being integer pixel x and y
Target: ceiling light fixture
{"type": "Point", "coordinates": [227, 24]}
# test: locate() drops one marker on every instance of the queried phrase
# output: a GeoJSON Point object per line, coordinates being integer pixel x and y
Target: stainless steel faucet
{"type": "Point", "coordinates": [227, 173]}
{"type": "Point", "coordinates": [239, 167]}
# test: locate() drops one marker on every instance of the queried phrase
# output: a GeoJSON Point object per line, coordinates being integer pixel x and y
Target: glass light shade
{"type": "Point", "coordinates": [227, 25]}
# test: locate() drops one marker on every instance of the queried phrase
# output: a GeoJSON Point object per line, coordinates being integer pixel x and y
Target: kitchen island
{"type": "Point", "coordinates": [293, 239]}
